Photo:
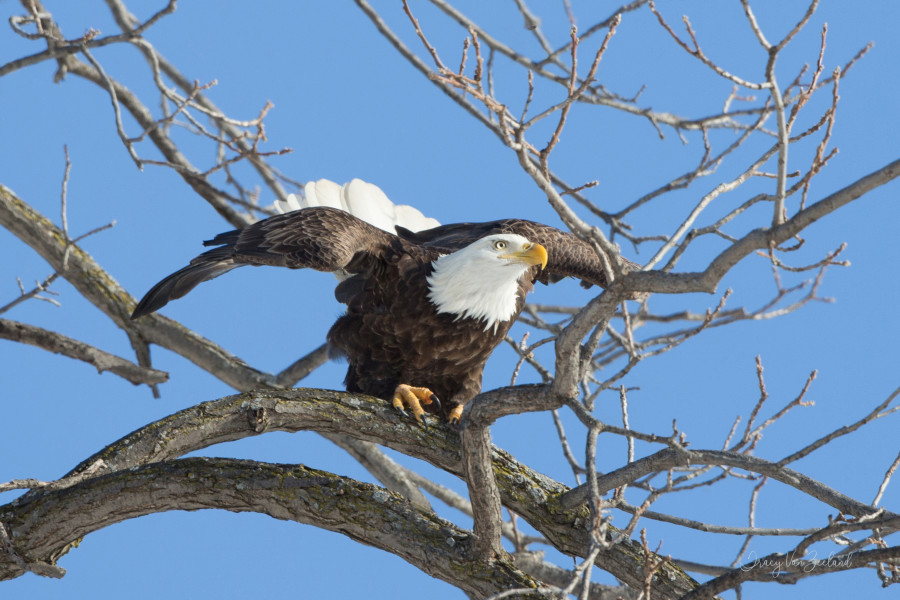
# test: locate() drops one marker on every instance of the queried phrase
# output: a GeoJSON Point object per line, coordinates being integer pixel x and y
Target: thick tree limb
{"type": "Point", "coordinates": [44, 528]}
{"type": "Point", "coordinates": [527, 493]}
{"type": "Point", "coordinates": [483, 492]}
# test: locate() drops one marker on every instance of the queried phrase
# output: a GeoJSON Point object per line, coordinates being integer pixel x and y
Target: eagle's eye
{"type": "Point", "coordinates": [500, 245]}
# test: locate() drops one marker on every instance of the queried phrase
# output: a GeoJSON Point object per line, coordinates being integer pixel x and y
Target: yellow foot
{"type": "Point", "coordinates": [455, 414]}
{"type": "Point", "coordinates": [414, 398]}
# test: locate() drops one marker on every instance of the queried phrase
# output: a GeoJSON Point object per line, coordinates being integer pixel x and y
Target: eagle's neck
{"type": "Point", "coordinates": [467, 287]}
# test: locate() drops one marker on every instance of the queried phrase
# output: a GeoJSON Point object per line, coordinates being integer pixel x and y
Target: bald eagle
{"type": "Point", "coordinates": [425, 309]}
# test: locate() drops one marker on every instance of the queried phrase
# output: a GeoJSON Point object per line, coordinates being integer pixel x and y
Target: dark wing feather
{"type": "Point", "coordinates": [321, 238]}
{"type": "Point", "coordinates": [568, 256]}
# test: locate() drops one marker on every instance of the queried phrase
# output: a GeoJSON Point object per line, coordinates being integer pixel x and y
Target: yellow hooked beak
{"type": "Point", "coordinates": [532, 254]}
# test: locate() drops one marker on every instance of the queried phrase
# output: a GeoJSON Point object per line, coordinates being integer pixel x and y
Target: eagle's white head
{"type": "Point", "coordinates": [481, 281]}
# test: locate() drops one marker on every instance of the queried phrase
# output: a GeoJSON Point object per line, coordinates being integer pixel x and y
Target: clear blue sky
{"type": "Point", "coordinates": [350, 106]}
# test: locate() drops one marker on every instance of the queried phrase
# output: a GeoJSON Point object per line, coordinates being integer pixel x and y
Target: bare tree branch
{"type": "Point", "coordinates": [707, 280]}
{"type": "Point", "coordinates": [669, 458]}
{"type": "Point", "coordinates": [60, 344]}
{"type": "Point", "coordinates": [596, 345]}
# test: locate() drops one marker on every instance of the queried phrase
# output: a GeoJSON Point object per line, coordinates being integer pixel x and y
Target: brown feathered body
{"type": "Point", "coordinates": [392, 332]}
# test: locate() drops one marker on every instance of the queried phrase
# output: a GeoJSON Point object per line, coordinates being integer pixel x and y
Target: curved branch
{"type": "Point", "coordinates": [46, 527]}
{"type": "Point", "coordinates": [489, 406]}
{"type": "Point", "coordinates": [526, 492]}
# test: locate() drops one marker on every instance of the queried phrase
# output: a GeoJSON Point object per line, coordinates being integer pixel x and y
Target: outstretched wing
{"type": "Point", "coordinates": [568, 256]}
{"type": "Point", "coordinates": [321, 238]}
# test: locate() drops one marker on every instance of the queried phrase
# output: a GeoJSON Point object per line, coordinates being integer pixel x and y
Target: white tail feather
{"type": "Point", "coordinates": [363, 200]}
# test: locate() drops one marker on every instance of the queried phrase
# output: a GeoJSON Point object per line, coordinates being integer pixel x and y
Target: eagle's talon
{"type": "Point", "coordinates": [413, 398]}
{"type": "Point", "coordinates": [455, 415]}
